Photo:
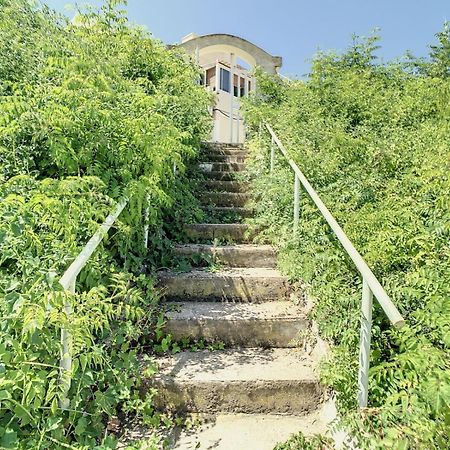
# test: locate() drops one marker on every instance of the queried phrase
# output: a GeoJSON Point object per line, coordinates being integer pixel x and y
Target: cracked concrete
{"type": "Point", "coordinates": [235, 284]}
{"type": "Point", "coordinates": [238, 255]}
{"type": "Point", "coordinates": [251, 380]}
{"type": "Point", "coordinates": [268, 324]}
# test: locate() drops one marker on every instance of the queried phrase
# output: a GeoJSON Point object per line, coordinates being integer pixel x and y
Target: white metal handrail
{"type": "Point", "coordinates": [371, 286]}
{"type": "Point", "coordinates": [68, 282]}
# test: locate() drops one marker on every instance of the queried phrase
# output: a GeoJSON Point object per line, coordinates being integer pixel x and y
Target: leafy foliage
{"type": "Point", "coordinates": [89, 111]}
{"type": "Point", "coordinates": [373, 139]}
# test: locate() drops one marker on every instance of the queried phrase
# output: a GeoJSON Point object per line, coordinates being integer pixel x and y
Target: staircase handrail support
{"type": "Point", "coordinates": [371, 285]}
{"type": "Point", "coordinates": [68, 282]}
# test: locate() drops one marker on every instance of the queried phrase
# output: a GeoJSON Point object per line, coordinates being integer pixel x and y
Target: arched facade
{"type": "Point", "coordinates": [228, 62]}
{"type": "Point", "coordinates": [226, 44]}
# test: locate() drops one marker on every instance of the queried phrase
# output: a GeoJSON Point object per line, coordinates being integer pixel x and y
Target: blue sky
{"type": "Point", "coordinates": [294, 29]}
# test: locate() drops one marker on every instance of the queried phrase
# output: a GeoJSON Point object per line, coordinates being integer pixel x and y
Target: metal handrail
{"type": "Point", "coordinates": [371, 286]}
{"type": "Point", "coordinates": [68, 282]}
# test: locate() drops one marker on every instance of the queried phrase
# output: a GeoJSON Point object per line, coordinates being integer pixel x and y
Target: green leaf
{"type": "Point", "coordinates": [81, 426]}
{"type": "Point", "coordinates": [9, 439]}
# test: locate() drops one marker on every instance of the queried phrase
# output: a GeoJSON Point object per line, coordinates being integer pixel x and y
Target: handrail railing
{"type": "Point", "coordinates": [68, 282]}
{"type": "Point", "coordinates": [371, 286]}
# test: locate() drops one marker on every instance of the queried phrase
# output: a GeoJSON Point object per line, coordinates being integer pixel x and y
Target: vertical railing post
{"type": "Point", "coordinates": [272, 155]}
{"type": "Point", "coordinates": [296, 202]}
{"type": "Point", "coordinates": [146, 221]}
{"type": "Point", "coordinates": [364, 349]}
{"type": "Point", "coordinates": [66, 352]}
{"type": "Point", "coordinates": [232, 64]}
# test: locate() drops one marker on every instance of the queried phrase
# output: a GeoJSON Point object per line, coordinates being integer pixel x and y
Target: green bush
{"type": "Point", "coordinates": [90, 111]}
{"type": "Point", "coordinates": [373, 139]}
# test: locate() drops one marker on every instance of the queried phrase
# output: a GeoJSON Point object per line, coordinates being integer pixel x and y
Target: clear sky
{"type": "Point", "coordinates": [293, 29]}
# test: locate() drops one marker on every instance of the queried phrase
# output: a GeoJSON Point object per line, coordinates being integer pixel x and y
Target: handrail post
{"type": "Point", "coordinates": [146, 221]}
{"type": "Point", "coordinates": [364, 349]}
{"type": "Point", "coordinates": [296, 202]}
{"type": "Point", "coordinates": [68, 282]}
{"type": "Point", "coordinates": [272, 155]}
{"type": "Point", "coordinates": [66, 351]}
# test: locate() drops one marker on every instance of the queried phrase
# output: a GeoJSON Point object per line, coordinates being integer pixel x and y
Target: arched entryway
{"type": "Point", "coordinates": [228, 62]}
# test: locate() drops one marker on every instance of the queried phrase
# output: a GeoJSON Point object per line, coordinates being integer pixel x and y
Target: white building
{"type": "Point", "coordinates": [228, 62]}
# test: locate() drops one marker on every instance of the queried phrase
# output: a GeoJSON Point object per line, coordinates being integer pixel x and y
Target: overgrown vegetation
{"type": "Point", "coordinates": [373, 139]}
{"type": "Point", "coordinates": [90, 111]}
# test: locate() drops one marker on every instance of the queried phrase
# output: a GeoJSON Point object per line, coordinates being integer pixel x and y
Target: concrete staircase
{"type": "Point", "coordinates": [263, 387]}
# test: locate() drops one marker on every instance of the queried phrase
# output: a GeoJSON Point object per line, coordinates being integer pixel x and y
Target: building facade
{"type": "Point", "coordinates": [227, 63]}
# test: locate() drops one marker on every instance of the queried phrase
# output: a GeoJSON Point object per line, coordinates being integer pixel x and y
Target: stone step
{"type": "Point", "coordinates": [248, 431]}
{"type": "Point", "coordinates": [276, 381]}
{"type": "Point", "coordinates": [227, 214]}
{"type": "Point", "coordinates": [224, 152]}
{"type": "Point", "coordinates": [221, 167]}
{"type": "Point", "coordinates": [235, 158]}
{"type": "Point", "coordinates": [224, 198]}
{"type": "Point", "coordinates": [217, 146]}
{"type": "Point", "coordinates": [229, 232]}
{"type": "Point", "coordinates": [226, 186]}
{"type": "Point", "coordinates": [232, 431]}
{"type": "Point", "coordinates": [243, 255]}
{"type": "Point", "coordinates": [218, 175]}
{"type": "Point", "coordinates": [229, 285]}
{"type": "Point", "coordinates": [270, 324]}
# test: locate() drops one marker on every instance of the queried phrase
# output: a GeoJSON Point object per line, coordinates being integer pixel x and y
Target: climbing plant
{"type": "Point", "coordinates": [90, 110]}
{"type": "Point", "coordinates": [373, 139]}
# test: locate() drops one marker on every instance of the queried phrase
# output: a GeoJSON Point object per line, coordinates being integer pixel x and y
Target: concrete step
{"type": "Point", "coordinates": [229, 285]}
{"type": "Point", "coordinates": [221, 167]}
{"type": "Point", "coordinates": [220, 146]}
{"type": "Point", "coordinates": [226, 186]}
{"type": "Point", "coordinates": [248, 381]}
{"type": "Point", "coordinates": [243, 255]}
{"type": "Point", "coordinates": [224, 198]}
{"type": "Point", "coordinates": [232, 431]}
{"type": "Point", "coordinates": [229, 232]}
{"type": "Point", "coordinates": [270, 324]}
{"type": "Point", "coordinates": [235, 158]}
{"type": "Point", "coordinates": [248, 431]}
{"type": "Point", "coordinates": [227, 214]}
{"type": "Point", "coordinates": [206, 154]}
{"type": "Point", "coordinates": [221, 176]}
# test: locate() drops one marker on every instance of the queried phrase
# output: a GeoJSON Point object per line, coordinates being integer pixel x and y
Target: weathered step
{"type": "Point", "coordinates": [259, 380]}
{"type": "Point", "coordinates": [248, 431]}
{"type": "Point", "coordinates": [237, 158]}
{"type": "Point", "coordinates": [226, 186]}
{"type": "Point", "coordinates": [221, 176]}
{"type": "Point", "coordinates": [221, 167]}
{"type": "Point", "coordinates": [230, 285]}
{"type": "Point", "coordinates": [232, 431]}
{"type": "Point", "coordinates": [228, 214]}
{"type": "Point", "coordinates": [224, 198]}
{"type": "Point", "coordinates": [234, 232]}
{"type": "Point", "coordinates": [270, 324]}
{"type": "Point", "coordinates": [217, 146]}
{"type": "Point", "coordinates": [243, 255]}
{"type": "Point", "coordinates": [224, 152]}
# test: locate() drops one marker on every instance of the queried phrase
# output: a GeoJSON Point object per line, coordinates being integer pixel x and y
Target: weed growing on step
{"type": "Point", "coordinates": [300, 442]}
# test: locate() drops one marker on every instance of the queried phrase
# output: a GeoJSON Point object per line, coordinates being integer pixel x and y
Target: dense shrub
{"type": "Point", "coordinates": [90, 111]}
{"type": "Point", "coordinates": [373, 139]}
